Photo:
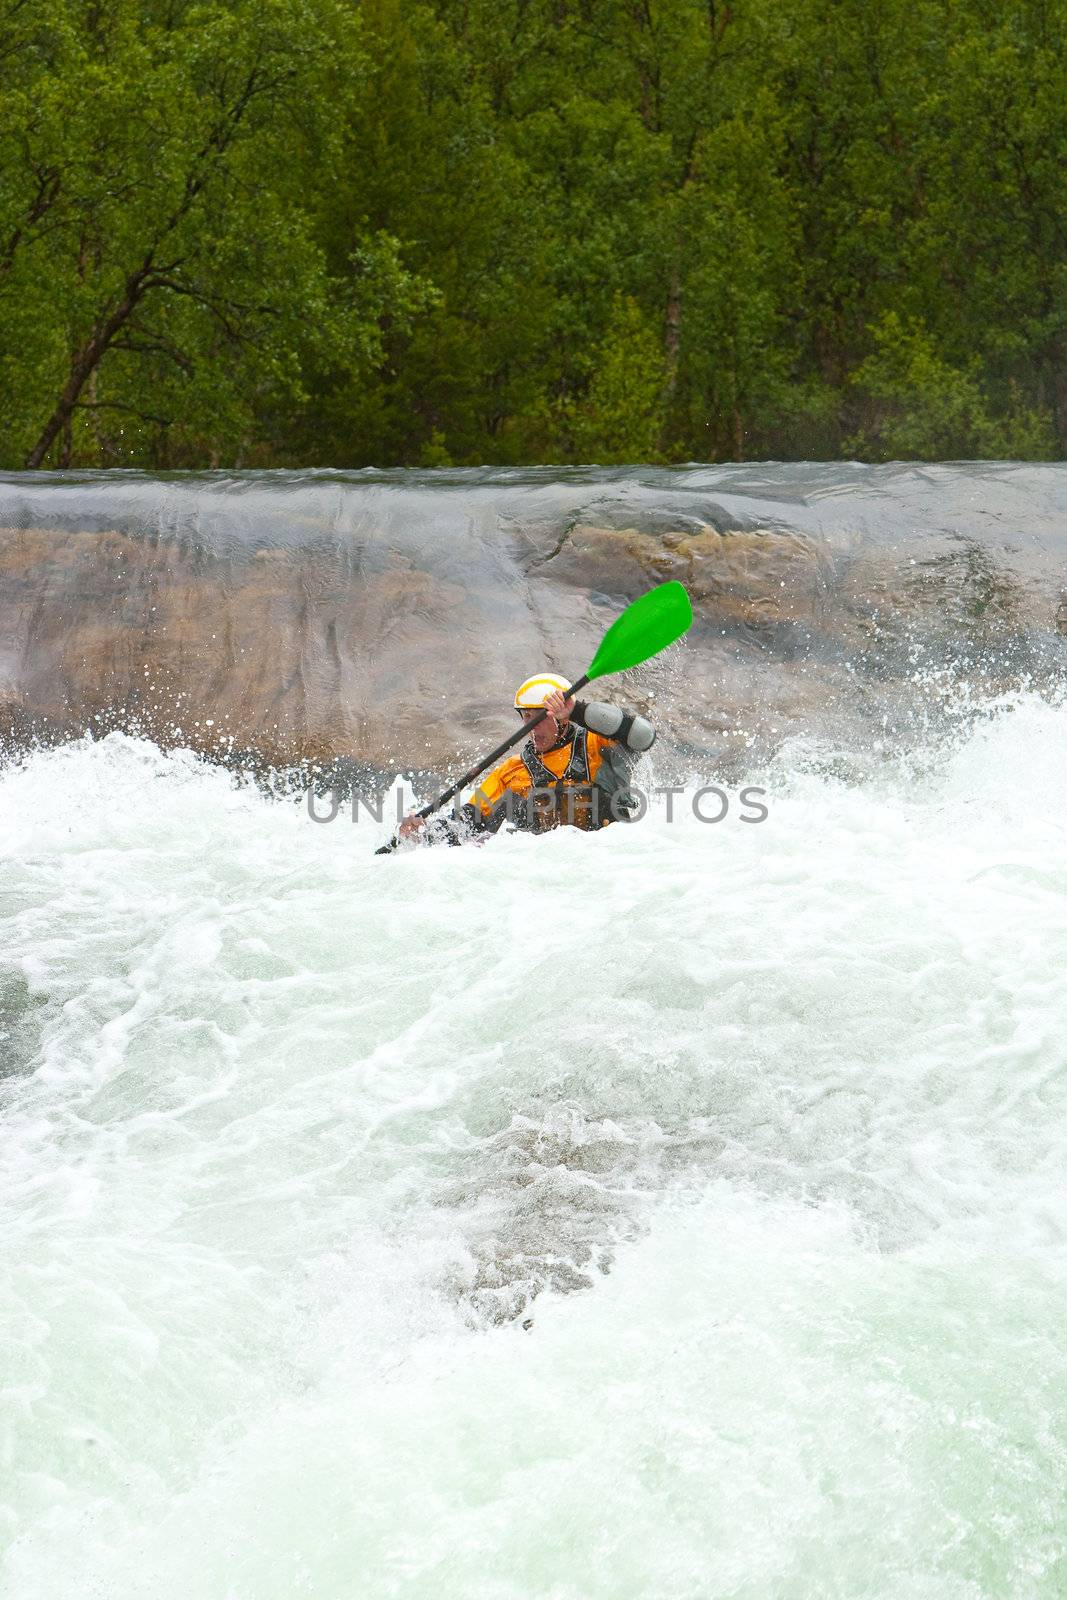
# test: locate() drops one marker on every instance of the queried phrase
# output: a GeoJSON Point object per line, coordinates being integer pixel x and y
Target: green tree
{"type": "Point", "coordinates": [619, 418]}
{"type": "Point", "coordinates": [162, 283]}
{"type": "Point", "coordinates": [425, 162]}
{"type": "Point", "coordinates": [922, 405]}
{"type": "Point", "coordinates": [993, 225]}
{"type": "Point", "coordinates": [455, 231]}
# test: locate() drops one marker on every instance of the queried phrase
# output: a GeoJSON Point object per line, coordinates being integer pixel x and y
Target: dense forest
{"type": "Point", "coordinates": [443, 232]}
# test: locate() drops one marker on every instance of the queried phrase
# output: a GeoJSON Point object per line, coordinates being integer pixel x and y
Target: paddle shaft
{"type": "Point", "coordinates": [475, 772]}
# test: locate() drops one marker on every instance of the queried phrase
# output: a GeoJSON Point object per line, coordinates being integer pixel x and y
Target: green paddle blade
{"type": "Point", "coordinates": [646, 627]}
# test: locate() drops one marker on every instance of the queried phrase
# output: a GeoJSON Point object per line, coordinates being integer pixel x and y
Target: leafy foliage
{"type": "Point", "coordinates": [451, 231]}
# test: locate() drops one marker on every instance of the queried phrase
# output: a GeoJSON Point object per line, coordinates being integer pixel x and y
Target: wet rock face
{"type": "Point", "coordinates": [385, 618]}
{"type": "Point", "coordinates": [286, 653]}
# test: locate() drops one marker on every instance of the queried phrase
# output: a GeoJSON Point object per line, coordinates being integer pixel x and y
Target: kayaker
{"type": "Point", "coordinates": [575, 768]}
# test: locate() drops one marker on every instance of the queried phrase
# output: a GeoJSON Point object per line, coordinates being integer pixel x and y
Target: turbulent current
{"type": "Point", "coordinates": [675, 1213]}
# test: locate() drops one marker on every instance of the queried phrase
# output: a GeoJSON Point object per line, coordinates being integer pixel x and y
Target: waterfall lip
{"type": "Point", "coordinates": [872, 502]}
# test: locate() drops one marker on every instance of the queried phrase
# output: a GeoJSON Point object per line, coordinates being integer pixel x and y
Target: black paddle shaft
{"type": "Point", "coordinates": [494, 755]}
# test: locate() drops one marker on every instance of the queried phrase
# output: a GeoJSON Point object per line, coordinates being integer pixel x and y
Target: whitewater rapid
{"type": "Point", "coordinates": [678, 1212]}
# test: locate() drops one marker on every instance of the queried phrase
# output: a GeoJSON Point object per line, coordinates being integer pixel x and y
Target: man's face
{"type": "Point", "coordinates": [545, 734]}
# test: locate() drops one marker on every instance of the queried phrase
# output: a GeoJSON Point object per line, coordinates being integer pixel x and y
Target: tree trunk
{"type": "Point", "coordinates": [672, 339]}
{"type": "Point", "coordinates": [85, 361]}
{"type": "Point", "coordinates": [1058, 374]}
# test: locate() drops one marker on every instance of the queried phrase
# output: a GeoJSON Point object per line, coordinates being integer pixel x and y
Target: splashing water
{"type": "Point", "coordinates": [673, 1213]}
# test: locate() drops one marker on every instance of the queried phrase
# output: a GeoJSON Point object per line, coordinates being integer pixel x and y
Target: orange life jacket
{"type": "Point", "coordinates": [558, 786]}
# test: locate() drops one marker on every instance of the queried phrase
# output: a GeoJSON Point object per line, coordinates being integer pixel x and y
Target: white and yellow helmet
{"type": "Point", "coordinates": [531, 695]}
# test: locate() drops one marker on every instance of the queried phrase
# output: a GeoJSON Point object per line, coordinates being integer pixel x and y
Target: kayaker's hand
{"type": "Point", "coordinates": [557, 707]}
{"type": "Point", "coordinates": [411, 825]}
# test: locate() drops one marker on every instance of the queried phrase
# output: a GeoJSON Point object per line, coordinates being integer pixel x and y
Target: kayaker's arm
{"type": "Point", "coordinates": [632, 732]}
{"type": "Point", "coordinates": [465, 824]}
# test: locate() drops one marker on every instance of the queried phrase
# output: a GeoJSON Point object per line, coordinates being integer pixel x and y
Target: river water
{"type": "Point", "coordinates": [674, 1213]}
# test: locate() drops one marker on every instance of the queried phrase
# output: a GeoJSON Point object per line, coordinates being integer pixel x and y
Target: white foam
{"type": "Point", "coordinates": [292, 1134]}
